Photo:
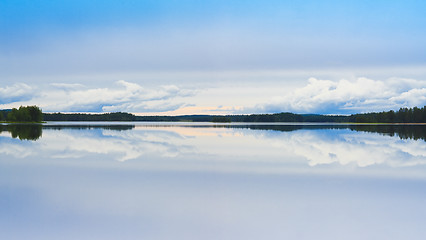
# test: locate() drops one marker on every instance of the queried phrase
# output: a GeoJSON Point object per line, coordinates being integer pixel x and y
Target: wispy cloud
{"type": "Point", "coordinates": [123, 96]}
{"type": "Point", "coordinates": [344, 96]}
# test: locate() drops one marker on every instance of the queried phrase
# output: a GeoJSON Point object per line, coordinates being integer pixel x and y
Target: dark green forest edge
{"type": "Point", "coordinates": [34, 114]}
{"type": "Point", "coordinates": [403, 115]}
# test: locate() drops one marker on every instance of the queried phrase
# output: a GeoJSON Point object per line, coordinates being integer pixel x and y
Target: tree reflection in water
{"type": "Point", "coordinates": [34, 132]}
{"type": "Point", "coordinates": [24, 131]}
{"type": "Point", "coordinates": [403, 131]}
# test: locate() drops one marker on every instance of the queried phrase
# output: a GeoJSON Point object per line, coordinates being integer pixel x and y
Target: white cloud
{"type": "Point", "coordinates": [124, 96]}
{"type": "Point", "coordinates": [317, 96]}
{"type": "Point", "coordinates": [16, 92]}
{"type": "Point", "coordinates": [344, 96]}
{"type": "Point", "coordinates": [413, 96]}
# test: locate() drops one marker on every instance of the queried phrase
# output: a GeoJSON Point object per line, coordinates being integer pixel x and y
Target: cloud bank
{"type": "Point", "coordinates": [344, 96]}
{"type": "Point", "coordinates": [317, 96]}
{"type": "Point", "coordinates": [124, 96]}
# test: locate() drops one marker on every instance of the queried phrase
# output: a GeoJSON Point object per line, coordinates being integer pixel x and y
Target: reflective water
{"type": "Point", "coordinates": [206, 181]}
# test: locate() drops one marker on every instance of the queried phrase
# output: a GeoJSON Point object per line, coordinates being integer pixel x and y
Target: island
{"type": "Point", "coordinates": [27, 114]}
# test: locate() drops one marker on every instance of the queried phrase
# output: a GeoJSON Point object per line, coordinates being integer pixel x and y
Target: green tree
{"type": "Point", "coordinates": [12, 115]}
{"type": "Point", "coordinates": [221, 119]}
{"type": "Point", "coordinates": [36, 115]}
{"type": "Point", "coordinates": [390, 116]}
{"type": "Point", "coordinates": [417, 115]}
{"type": "Point", "coordinates": [25, 114]}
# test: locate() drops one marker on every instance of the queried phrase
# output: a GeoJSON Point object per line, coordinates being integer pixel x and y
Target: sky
{"type": "Point", "coordinates": [158, 57]}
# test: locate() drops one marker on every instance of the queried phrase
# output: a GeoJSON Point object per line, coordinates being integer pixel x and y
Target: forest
{"type": "Point", "coordinates": [403, 115]}
{"type": "Point", "coordinates": [34, 114]}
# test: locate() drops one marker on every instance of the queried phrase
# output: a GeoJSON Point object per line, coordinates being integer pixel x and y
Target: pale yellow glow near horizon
{"type": "Point", "coordinates": [194, 110]}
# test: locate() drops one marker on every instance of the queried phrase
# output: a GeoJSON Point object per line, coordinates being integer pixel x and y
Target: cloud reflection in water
{"type": "Point", "coordinates": [224, 147]}
{"type": "Point", "coordinates": [345, 147]}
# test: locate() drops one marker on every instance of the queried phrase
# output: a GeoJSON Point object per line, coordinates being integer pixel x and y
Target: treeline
{"type": "Point", "coordinates": [117, 116]}
{"type": "Point", "coordinates": [120, 116]}
{"type": "Point", "coordinates": [22, 114]}
{"type": "Point", "coordinates": [404, 115]}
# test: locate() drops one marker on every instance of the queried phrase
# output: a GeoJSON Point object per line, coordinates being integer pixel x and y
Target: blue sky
{"type": "Point", "coordinates": [180, 57]}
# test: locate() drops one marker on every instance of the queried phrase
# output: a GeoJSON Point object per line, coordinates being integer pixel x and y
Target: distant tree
{"type": "Point", "coordinates": [417, 115]}
{"type": "Point", "coordinates": [423, 114]}
{"type": "Point", "coordinates": [221, 119]}
{"type": "Point", "coordinates": [390, 116]}
{"type": "Point", "coordinates": [25, 114]}
{"type": "Point", "coordinates": [12, 115]}
{"type": "Point", "coordinates": [36, 115]}
{"type": "Point", "coordinates": [403, 115]}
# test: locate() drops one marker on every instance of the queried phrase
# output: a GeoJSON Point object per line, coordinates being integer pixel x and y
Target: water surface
{"type": "Point", "coordinates": [209, 181]}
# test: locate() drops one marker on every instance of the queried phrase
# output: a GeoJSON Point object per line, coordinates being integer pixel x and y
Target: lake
{"type": "Point", "coordinates": [212, 181]}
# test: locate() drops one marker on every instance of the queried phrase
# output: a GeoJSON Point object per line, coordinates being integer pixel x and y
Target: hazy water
{"type": "Point", "coordinates": [206, 181]}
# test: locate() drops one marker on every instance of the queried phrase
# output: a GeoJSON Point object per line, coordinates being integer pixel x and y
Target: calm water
{"type": "Point", "coordinates": [206, 181]}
